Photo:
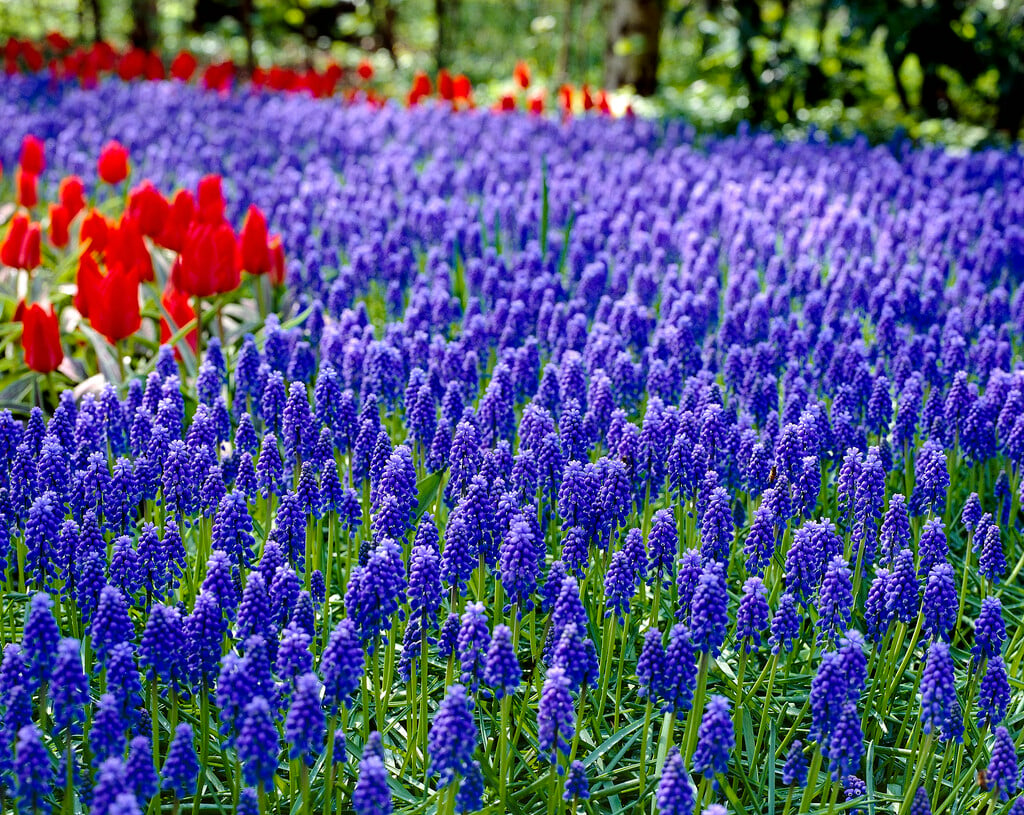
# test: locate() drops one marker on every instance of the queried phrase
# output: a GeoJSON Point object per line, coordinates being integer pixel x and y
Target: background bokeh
{"type": "Point", "coordinates": [951, 70]}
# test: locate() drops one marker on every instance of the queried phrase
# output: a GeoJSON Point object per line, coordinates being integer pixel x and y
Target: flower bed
{"type": "Point", "coordinates": [62, 62]}
{"type": "Point", "coordinates": [577, 466]}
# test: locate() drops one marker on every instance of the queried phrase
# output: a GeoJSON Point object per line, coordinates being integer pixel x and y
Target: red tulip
{"type": "Point", "coordinates": [179, 306]}
{"type": "Point", "coordinates": [72, 195]}
{"type": "Point", "coordinates": [28, 195]}
{"type": "Point", "coordinates": [461, 88]}
{"type": "Point", "coordinates": [57, 41]}
{"type": "Point", "coordinates": [113, 303]}
{"type": "Point", "coordinates": [332, 75]}
{"type": "Point", "coordinates": [588, 100]}
{"type": "Point", "coordinates": [132, 64]}
{"type": "Point", "coordinates": [148, 208]}
{"type": "Point", "coordinates": [32, 56]}
{"type": "Point", "coordinates": [59, 221]}
{"type": "Point", "coordinates": [565, 98]}
{"type": "Point", "coordinates": [154, 69]}
{"type": "Point", "coordinates": [521, 74]}
{"type": "Point", "coordinates": [318, 84]}
{"type": "Point", "coordinates": [211, 200]}
{"type": "Point", "coordinates": [207, 264]}
{"type": "Point", "coordinates": [277, 264]}
{"type": "Point", "coordinates": [445, 88]}
{"type": "Point", "coordinates": [33, 158]}
{"type": "Point", "coordinates": [112, 165]}
{"type": "Point", "coordinates": [40, 338]}
{"type": "Point", "coordinates": [183, 66]}
{"type": "Point", "coordinates": [365, 70]}
{"type": "Point", "coordinates": [421, 88]}
{"type": "Point", "coordinates": [89, 71]}
{"type": "Point", "coordinates": [126, 248]}
{"type": "Point", "coordinates": [279, 78]}
{"type": "Point", "coordinates": [180, 215]}
{"type": "Point", "coordinates": [104, 56]}
{"type": "Point", "coordinates": [88, 281]}
{"type": "Point", "coordinates": [31, 248]}
{"type": "Point", "coordinates": [507, 102]}
{"type": "Point", "coordinates": [218, 76]}
{"type": "Point", "coordinates": [253, 252]}
{"type": "Point", "coordinates": [72, 63]}
{"type": "Point", "coordinates": [535, 104]}
{"type": "Point", "coordinates": [10, 251]}
{"type": "Point", "coordinates": [94, 232]}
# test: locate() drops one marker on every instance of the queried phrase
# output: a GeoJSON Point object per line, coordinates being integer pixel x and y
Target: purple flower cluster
{"type": "Point", "coordinates": [576, 444]}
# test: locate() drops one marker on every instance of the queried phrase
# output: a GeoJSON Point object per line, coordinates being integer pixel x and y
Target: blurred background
{"type": "Point", "coordinates": [951, 70]}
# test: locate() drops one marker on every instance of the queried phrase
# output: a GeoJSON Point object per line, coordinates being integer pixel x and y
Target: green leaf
{"type": "Point", "coordinates": [426, 489]}
{"type": "Point", "coordinates": [106, 357]}
{"type": "Point", "coordinates": [545, 209]}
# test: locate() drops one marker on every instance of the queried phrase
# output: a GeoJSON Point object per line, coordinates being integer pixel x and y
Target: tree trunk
{"type": "Point", "coordinates": [384, 16]}
{"type": "Point", "coordinates": [245, 19]}
{"type": "Point", "coordinates": [749, 14]}
{"type": "Point", "coordinates": [443, 13]}
{"type": "Point", "coordinates": [632, 50]}
{"type": "Point", "coordinates": [144, 24]}
{"type": "Point", "coordinates": [566, 48]}
{"type": "Point", "coordinates": [97, 20]}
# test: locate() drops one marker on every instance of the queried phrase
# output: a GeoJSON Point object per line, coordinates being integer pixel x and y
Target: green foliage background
{"type": "Point", "coordinates": [825, 64]}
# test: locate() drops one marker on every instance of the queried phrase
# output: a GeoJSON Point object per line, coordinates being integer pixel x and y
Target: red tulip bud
{"type": "Point", "coordinates": [40, 338]}
{"type": "Point", "coordinates": [112, 165]}
{"type": "Point", "coordinates": [33, 159]}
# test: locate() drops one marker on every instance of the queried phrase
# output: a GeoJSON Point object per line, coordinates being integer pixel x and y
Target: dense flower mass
{"type": "Point", "coordinates": [503, 462]}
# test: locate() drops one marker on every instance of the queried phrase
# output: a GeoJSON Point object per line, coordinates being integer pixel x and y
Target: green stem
{"type": "Point", "coordinates": [619, 672]}
{"type": "Point", "coordinates": [893, 684]}
{"type": "Point", "coordinates": [378, 705]}
{"type": "Point", "coordinates": [665, 740]}
{"type": "Point", "coordinates": [766, 705]}
{"type": "Point", "coordinates": [553, 792]}
{"type": "Point", "coordinates": [307, 799]}
{"type": "Point", "coordinates": [645, 733]}
{"type": "Point", "coordinates": [812, 781]}
{"type": "Point", "coordinates": [963, 581]}
{"type": "Point", "coordinates": [154, 699]}
{"type": "Point", "coordinates": [424, 688]}
{"type": "Point", "coordinates": [693, 720]}
{"type": "Point", "coordinates": [119, 353]}
{"type": "Point", "coordinates": [204, 724]}
{"type": "Point", "coordinates": [737, 715]}
{"type": "Point", "coordinates": [789, 801]}
{"type": "Point", "coordinates": [199, 329]}
{"type": "Point", "coordinates": [607, 646]}
{"type": "Point", "coordinates": [329, 765]}
{"type": "Point", "coordinates": [923, 750]}
{"type": "Point", "coordinates": [503, 751]}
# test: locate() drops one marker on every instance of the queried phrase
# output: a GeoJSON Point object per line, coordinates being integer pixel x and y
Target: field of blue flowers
{"type": "Point", "coordinates": [585, 466]}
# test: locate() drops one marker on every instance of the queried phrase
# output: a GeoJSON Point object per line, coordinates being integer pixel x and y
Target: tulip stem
{"type": "Point", "coordinates": [199, 330]}
{"type": "Point", "coordinates": [119, 353]}
{"type": "Point", "coordinates": [52, 388]}
{"type": "Point", "coordinates": [261, 298]}
{"type": "Point", "coordinates": [220, 323]}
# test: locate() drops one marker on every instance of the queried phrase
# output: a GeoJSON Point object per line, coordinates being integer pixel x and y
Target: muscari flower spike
{"type": "Point", "coordinates": [452, 737]}
{"type": "Point", "coordinates": [372, 796]}
{"type": "Point", "coordinates": [675, 794]}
